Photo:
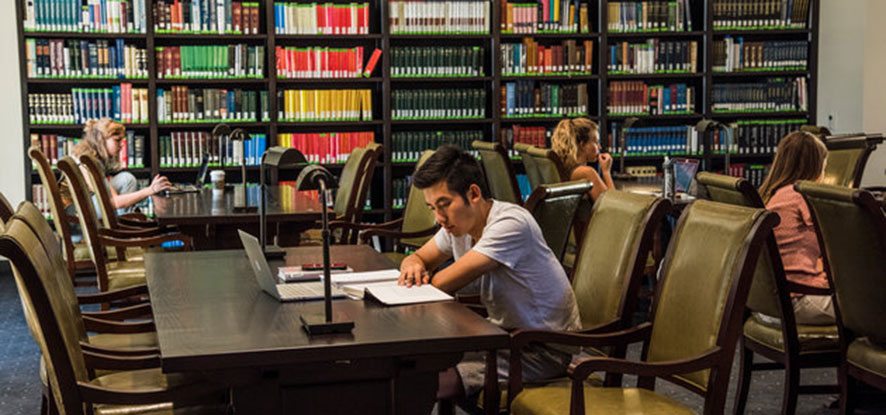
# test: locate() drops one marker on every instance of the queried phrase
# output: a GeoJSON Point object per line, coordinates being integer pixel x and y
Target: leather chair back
{"type": "Point", "coordinates": [612, 255]}
{"type": "Point", "coordinates": [416, 215]}
{"type": "Point", "coordinates": [553, 206]}
{"type": "Point", "coordinates": [847, 157]}
{"type": "Point", "coordinates": [737, 191]}
{"type": "Point", "coordinates": [851, 229]}
{"type": "Point", "coordinates": [56, 206]}
{"type": "Point", "coordinates": [705, 279]}
{"type": "Point", "coordinates": [348, 183]}
{"type": "Point", "coordinates": [550, 168]}
{"type": "Point", "coordinates": [529, 165]}
{"type": "Point", "coordinates": [99, 182]}
{"type": "Point", "coordinates": [6, 210]}
{"type": "Point", "coordinates": [499, 172]}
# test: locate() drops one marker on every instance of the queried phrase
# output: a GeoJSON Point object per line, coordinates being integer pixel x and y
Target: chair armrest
{"type": "Point", "coordinates": [581, 369]}
{"type": "Point", "coordinates": [118, 327]}
{"type": "Point", "coordinates": [144, 396]}
{"type": "Point", "coordinates": [109, 296]}
{"type": "Point", "coordinates": [138, 311]}
{"type": "Point", "coordinates": [336, 224]}
{"type": "Point", "coordinates": [798, 288]}
{"type": "Point", "coordinates": [130, 233]}
{"type": "Point", "coordinates": [136, 219]}
{"type": "Point", "coordinates": [608, 327]}
{"type": "Point", "coordinates": [365, 235]}
{"type": "Point", "coordinates": [146, 241]}
{"type": "Point", "coordinates": [101, 361]}
{"type": "Point", "coordinates": [129, 351]}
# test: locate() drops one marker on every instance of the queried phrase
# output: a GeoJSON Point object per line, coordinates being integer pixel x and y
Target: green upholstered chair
{"type": "Point", "coordinates": [112, 274]}
{"type": "Point", "coordinates": [528, 165]}
{"type": "Point", "coordinates": [6, 210]}
{"type": "Point", "coordinates": [553, 206]}
{"type": "Point", "coordinates": [550, 167]}
{"type": "Point", "coordinates": [499, 172]}
{"type": "Point", "coordinates": [847, 157]}
{"type": "Point", "coordinates": [412, 230]}
{"type": "Point", "coordinates": [851, 228]}
{"type": "Point", "coordinates": [59, 330]}
{"type": "Point", "coordinates": [76, 255]}
{"type": "Point", "coordinates": [789, 346]}
{"type": "Point", "coordinates": [695, 322]}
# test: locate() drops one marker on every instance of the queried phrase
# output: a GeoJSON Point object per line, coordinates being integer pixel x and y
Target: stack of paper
{"type": "Point", "coordinates": [383, 286]}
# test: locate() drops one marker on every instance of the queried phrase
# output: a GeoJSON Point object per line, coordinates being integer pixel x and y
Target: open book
{"type": "Point", "coordinates": [383, 286]}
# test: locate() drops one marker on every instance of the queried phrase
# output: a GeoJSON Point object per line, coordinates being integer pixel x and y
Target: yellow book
{"type": "Point", "coordinates": [572, 17]}
{"type": "Point", "coordinates": [366, 104]}
{"type": "Point", "coordinates": [556, 9]}
{"type": "Point", "coordinates": [310, 109]}
{"type": "Point", "coordinates": [289, 104]}
{"type": "Point", "coordinates": [510, 17]}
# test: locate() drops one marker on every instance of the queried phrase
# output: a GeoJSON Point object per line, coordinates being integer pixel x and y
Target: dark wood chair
{"type": "Point", "coordinates": [58, 329]}
{"type": "Point", "coordinates": [6, 210]}
{"type": "Point", "coordinates": [790, 346]}
{"type": "Point", "coordinates": [111, 274]}
{"type": "Point", "coordinates": [550, 167]}
{"type": "Point", "coordinates": [851, 228]}
{"type": "Point", "coordinates": [499, 172]}
{"type": "Point", "coordinates": [554, 206]}
{"type": "Point", "coordinates": [847, 157]}
{"type": "Point", "coordinates": [528, 165]}
{"type": "Point", "coordinates": [694, 323]}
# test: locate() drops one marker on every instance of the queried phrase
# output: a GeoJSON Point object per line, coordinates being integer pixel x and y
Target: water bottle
{"type": "Point", "coordinates": [668, 181]}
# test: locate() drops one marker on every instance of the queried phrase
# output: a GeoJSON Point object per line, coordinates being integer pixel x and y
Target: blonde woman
{"type": "Point", "coordinates": [577, 142]}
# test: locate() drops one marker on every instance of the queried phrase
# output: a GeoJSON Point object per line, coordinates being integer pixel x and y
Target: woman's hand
{"type": "Point", "coordinates": [159, 184]}
{"type": "Point", "coordinates": [605, 161]}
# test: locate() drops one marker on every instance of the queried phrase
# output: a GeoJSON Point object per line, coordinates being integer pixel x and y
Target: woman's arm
{"type": "Point", "coordinates": [588, 173]}
{"type": "Point", "coordinates": [159, 184]}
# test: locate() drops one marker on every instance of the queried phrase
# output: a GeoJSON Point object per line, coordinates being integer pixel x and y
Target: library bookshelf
{"type": "Point", "coordinates": [706, 23]}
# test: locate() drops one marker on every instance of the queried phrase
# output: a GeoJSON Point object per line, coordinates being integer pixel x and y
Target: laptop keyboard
{"type": "Point", "coordinates": [305, 290]}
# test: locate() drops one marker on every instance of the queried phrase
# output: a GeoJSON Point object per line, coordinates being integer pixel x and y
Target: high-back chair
{"type": "Point", "coordinates": [499, 172]}
{"type": "Point", "coordinates": [110, 274]}
{"type": "Point", "coordinates": [59, 333]}
{"type": "Point", "coordinates": [528, 165]}
{"type": "Point", "coordinates": [789, 345]}
{"type": "Point", "coordinates": [6, 210]}
{"type": "Point", "coordinates": [847, 157]}
{"type": "Point", "coordinates": [76, 255]}
{"type": "Point", "coordinates": [550, 167]}
{"type": "Point", "coordinates": [411, 231]}
{"type": "Point", "coordinates": [553, 206]}
{"type": "Point", "coordinates": [695, 319]}
{"type": "Point", "coordinates": [354, 202]}
{"type": "Point", "coordinates": [851, 227]}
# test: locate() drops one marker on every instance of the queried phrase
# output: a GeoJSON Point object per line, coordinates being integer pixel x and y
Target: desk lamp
{"type": "Point", "coordinates": [706, 126]}
{"type": "Point", "coordinates": [276, 157]}
{"type": "Point", "coordinates": [240, 205]}
{"type": "Point", "coordinates": [315, 177]}
{"type": "Point", "coordinates": [623, 143]}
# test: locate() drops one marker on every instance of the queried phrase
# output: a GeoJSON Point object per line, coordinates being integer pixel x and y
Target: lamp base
{"type": "Point", "coordinates": [244, 209]}
{"type": "Point", "coordinates": [274, 252]}
{"type": "Point", "coordinates": [316, 324]}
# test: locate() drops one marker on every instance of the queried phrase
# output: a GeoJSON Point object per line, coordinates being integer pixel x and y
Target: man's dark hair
{"type": "Point", "coordinates": [457, 168]}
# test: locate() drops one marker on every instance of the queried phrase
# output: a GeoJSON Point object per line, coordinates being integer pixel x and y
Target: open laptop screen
{"type": "Point", "coordinates": [684, 172]}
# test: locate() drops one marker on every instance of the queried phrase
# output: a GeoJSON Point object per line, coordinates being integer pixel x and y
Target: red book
{"type": "Point", "coordinates": [321, 18]}
{"type": "Point", "coordinates": [373, 60]}
{"type": "Point", "coordinates": [358, 60]}
{"type": "Point", "coordinates": [236, 16]}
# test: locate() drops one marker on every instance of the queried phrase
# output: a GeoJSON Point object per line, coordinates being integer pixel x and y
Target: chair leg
{"type": "Point", "coordinates": [445, 407]}
{"type": "Point", "coordinates": [847, 390]}
{"type": "Point", "coordinates": [791, 389]}
{"type": "Point", "coordinates": [744, 379]}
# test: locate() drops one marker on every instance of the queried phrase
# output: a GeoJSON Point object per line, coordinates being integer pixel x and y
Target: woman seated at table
{"type": "Point", "coordinates": [101, 139]}
{"type": "Point", "coordinates": [800, 156]}
{"type": "Point", "coordinates": [577, 143]}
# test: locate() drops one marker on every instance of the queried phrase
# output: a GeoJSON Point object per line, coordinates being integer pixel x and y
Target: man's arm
{"type": "Point", "coordinates": [468, 268]}
{"type": "Point", "coordinates": [414, 268]}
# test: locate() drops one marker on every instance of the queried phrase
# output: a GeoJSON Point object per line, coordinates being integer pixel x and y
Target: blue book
{"type": "Point", "coordinates": [121, 58]}
{"type": "Point", "coordinates": [278, 17]}
{"type": "Point", "coordinates": [231, 109]}
{"type": "Point", "coordinates": [510, 97]}
{"type": "Point", "coordinates": [666, 100]}
{"type": "Point", "coordinates": [118, 112]}
{"type": "Point", "coordinates": [681, 97]}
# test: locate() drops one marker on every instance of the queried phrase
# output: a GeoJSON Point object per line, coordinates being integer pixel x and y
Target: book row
{"type": "Point", "coordinates": [773, 94]}
{"type": "Point", "coordinates": [206, 16]}
{"type": "Point", "coordinates": [319, 62]}
{"type": "Point", "coordinates": [762, 136]}
{"type": "Point", "coordinates": [451, 103]}
{"type": "Point", "coordinates": [58, 58]}
{"type": "Point", "coordinates": [638, 98]}
{"type": "Point", "coordinates": [326, 148]}
{"type": "Point", "coordinates": [737, 14]}
{"type": "Point", "coordinates": [210, 61]}
{"type": "Point", "coordinates": [653, 56]}
{"type": "Point", "coordinates": [527, 98]}
{"type": "Point", "coordinates": [439, 16]}
{"type": "Point", "coordinates": [321, 18]}
{"type": "Point", "coordinates": [408, 145]}
{"type": "Point", "coordinates": [734, 54]}
{"type": "Point", "coordinates": [545, 16]}
{"type": "Point", "coordinates": [409, 61]}
{"type": "Point", "coordinates": [325, 105]}
{"type": "Point", "coordinates": [40, 197]}
{"type": "Point", "coordinates": [181, 104]}
{"type": "Point", "coordinates": [533, 135]}
{"type": "Point", "coordinates": [753, 173]}
{"type": "Point", "coordinates": [54, 147]}
{"type": "Point", "coordinates": [120, 102]}
{"type": "Point", "coordinates": [645, 141]}
{"type": "Point", "coordinates": [186, 149]}
{"type": "Point", "coordinates": [113, 16]}
{"type": "Point", "coordinates": [530, 58]}
{"type": "Point", "coordinates": [400, 191]}
{"type": "Point", "coordinates": [649, 16]}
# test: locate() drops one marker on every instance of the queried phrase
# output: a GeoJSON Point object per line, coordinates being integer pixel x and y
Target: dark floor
{"type": "Point", "coordinates": [20, 384]}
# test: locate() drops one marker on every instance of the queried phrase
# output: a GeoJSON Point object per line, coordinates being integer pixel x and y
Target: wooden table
{"type": "Point", "coordinates": [650, 186]}
{"type": "Point", "coordinates": [212, 318]}
{"type": "Point", "coordinates": [210, 218]}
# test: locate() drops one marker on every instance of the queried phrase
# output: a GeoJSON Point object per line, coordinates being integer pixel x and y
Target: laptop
{"type": "Point", "coordinates": [684, 172]}
{"type": "Point", "coordinates": [303, 291]}
{"type": "Point", "coordinates": [198, 183]}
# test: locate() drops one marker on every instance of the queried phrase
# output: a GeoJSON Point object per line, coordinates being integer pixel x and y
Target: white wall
{"type": "Point", "coordinates": [874, 93]}
{"type": "Point", "coordinates": [12, 152]}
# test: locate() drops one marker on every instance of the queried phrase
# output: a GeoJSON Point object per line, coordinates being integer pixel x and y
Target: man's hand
{"type": "Point", "coordinates": [413, 272]}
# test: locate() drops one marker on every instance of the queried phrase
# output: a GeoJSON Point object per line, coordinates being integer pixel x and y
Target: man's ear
{"type": "Point", "coordinates": [475, 193]}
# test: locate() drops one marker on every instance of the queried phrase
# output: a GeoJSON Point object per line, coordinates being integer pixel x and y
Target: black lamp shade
{"type": "Point", "coordinates": [283, 157]}
{"type": "Point", "coordinates": [310, 177]}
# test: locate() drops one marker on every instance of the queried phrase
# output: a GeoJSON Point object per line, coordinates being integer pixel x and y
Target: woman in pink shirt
{"type": "Point", "coordinates": [800, 156]}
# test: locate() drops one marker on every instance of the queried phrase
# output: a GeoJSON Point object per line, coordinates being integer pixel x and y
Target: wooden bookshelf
{"type": "Point", "coordinates": [382, 83]}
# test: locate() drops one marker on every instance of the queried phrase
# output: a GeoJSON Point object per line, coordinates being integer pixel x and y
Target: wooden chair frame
{"type": "Point", "coordinates": [111, 220]}
{"type": "Point", "coordinates": [499, 151]}
{"type": "Point", "coordinates": [354, 210]}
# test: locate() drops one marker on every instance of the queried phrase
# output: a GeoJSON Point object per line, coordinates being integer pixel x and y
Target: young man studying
{"type": "Point", "coordinates": [522, 285]}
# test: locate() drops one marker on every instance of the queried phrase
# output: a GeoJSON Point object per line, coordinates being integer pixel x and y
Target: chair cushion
{"type": "Point", "coordinates": [124, 341]}
{"type": "Point", "coordinates": [813, 339]}
{"type": "Point", "coordinates": [81, 252]}
{"type": "Point", "coordinates": [551, 400]}
{"type": "Point", "coordinates": [395, 257]}
{"type": "Point", "coordinates": [146, 380]}
{"type": "Point", "coordinates": [592, 381]}
{"type": "Point", "coordinates": [866, 355]}
{"type": "Point", "coordinates": [133, 253]}
{"type": "Point", "coordinates": [125, 274]}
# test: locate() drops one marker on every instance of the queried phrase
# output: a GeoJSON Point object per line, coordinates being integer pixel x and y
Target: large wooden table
{"type": "Point", "coordinates": [210, 218]}
{"type": "Point", "coordinates": [212, 318]}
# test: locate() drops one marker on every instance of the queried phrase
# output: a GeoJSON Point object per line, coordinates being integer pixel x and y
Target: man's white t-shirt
{"type": "Point", "coordinates": [529, 288]}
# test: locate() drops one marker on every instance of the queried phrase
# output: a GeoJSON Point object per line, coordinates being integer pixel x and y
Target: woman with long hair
{"type": "Point", "coordinates": [577, 142]}
{"type": "Point", "coordinates": [800, 156]}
